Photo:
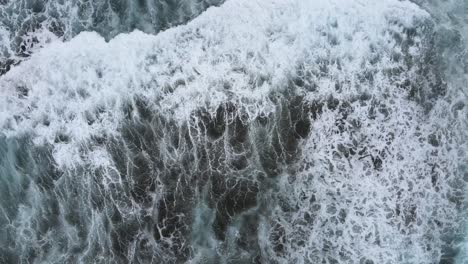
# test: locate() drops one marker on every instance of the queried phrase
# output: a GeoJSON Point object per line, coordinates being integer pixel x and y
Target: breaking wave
{"type": "Point", "coordinates": [273, 131]}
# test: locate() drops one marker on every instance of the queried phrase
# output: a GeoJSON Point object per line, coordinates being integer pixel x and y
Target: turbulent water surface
{"type": "Point", "coordinates": [238, 131]}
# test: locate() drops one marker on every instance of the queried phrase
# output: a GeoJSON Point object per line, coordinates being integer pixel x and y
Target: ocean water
{"type": "Point", "coordinates": [237, 131]}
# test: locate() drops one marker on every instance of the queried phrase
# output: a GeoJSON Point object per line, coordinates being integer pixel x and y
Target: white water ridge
{"type": "Point", "coordinates": [262, 131]}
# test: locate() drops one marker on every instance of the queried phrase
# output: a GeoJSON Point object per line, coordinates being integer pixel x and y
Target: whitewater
{"type": "Point", "coordinates": [238, 131]}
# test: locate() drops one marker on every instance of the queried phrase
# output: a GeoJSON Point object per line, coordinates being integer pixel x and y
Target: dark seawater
{"type": "Point", "coordinates": [23, 22]}
{"type": "Point", "coordinates": [239, 131]}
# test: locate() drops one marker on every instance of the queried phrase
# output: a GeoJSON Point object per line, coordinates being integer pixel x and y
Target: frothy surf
{"type": "Point", "coordinates": [260, 132]}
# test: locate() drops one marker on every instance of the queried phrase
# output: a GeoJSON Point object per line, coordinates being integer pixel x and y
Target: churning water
{"type": "Point", "coordinates": [238, 131]}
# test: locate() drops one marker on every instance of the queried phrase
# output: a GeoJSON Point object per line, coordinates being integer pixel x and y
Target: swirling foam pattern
{"type": "Point", "coordinates": [273, 131]}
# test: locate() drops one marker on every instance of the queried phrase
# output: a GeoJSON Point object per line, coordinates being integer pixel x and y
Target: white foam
{"type": "Point", "coordinates": [220, 46]}
{"type": "Point", "coordinates": [242, 52]}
